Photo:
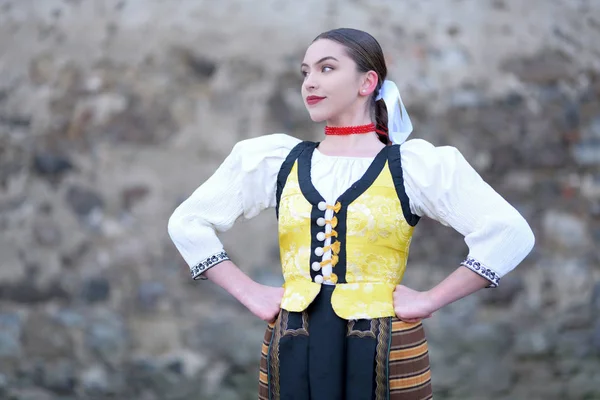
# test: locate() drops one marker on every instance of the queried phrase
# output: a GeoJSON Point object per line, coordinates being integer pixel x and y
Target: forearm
{"type": "Point", "coordinates": [228, 276]}
{"type": "Point", "coordinates": [262, 301]}
{"type": "Point", "coordinates": [460, 283]}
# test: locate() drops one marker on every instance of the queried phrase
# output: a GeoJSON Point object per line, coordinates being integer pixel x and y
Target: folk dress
{"type": "Point", "coordinates": [345, 227]}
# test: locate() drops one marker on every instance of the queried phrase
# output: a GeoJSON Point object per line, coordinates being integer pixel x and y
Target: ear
{"type": "Point", "coordinates": [369, 83]}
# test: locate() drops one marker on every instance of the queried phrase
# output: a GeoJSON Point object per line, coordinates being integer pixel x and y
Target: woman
{"type": "Point", "coordinates": [343, 327]}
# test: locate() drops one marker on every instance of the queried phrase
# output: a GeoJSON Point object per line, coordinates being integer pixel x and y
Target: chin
{"type": "Point", "coordinates": [317, 116]}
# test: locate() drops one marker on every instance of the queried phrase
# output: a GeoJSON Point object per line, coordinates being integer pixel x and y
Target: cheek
{"type": "Point", "coordinates": [345, 92]}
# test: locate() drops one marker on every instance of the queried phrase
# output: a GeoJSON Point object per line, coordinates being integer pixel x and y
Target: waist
{"type": "Point", "coordinates": [355, 300]}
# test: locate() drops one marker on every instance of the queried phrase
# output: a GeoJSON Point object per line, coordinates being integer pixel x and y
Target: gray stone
{"type": "Point", "coordinates": [4, 384]}
{"type": "Point", "coordinates": [587, 152]}
{"type": "Point", "coordinates": [107, 336]}
{"type": "Point", "coordinates": [60, 377]}
{"type": "Point", "coordinates": [451, 58]}
{"type": "Point", "coordinates": [145, 122]}
{"type": "Point", "coordinates": [265, 277]}
{"type": "Point", "coordinates": [95, 381]}
{"type": "Point", "coordinates": [15, 121]}
{"type": "Point", "coordinates": [72, 257]}
{"type": "Point", "coordinates": [544, 68]}
{"type": "Point", "coordinates": [70, 318]}
{"type": "Point", "coordinates": [201, 67]}
{"type": "Point", "coordinates": [467, 98]}
{"type": "Point", "coordinates": [486, 338]}
{"type": "Point", "coordinates": [83, 201]}
{"type": "Point", "coordinates": [583, 385]}
{"type": "Point", "coordinates": [596, 338]}
{"type": "Point", "coordinates": [491, 375]}
{"type": "Point", "coordinates": [596, 298]}
{"type": "Point", "coordinates": [592, 130]}
{"type": "Point", "coordinates": [30, 394]}
{"type": "Point", "coordinates": [96, 289]}
{"type": "Point", "coordinates": [510, 287]}
{"type": "Point", "coordinates": [132, 195]}
{"type": "Point", "coordinates": [149, 294]}
{"type": "Point", "coordinates": [534, 344]}
{"type": "Point", "coordinates": [565, 230]}
{"type": "Point", "coordinates": [576, 318]}
{"type": "Point", "coordinates": [146, 373]}
{"type": "Point", "coordinates": [47, 232]}
{"type": "Point", "coordinates": [10, 345]}
{"type": "Point", "coordinates": [286, 109]}
{"type": "Point", "coordinates": [27, 292]}
{"type": "Point", "coordinates": [575, 344]}
{"type": "Point", "coordinates": [572, 116]}
{"type": "Point", "coordinates": [10, 335]}
{"type": "Point", "coordinates": [11, 323]}
{"type": "Point", "coordinates": [103, 106]}
{"type": "Point", "coordinates": [226, 341]}
{"type": "Point", "coordinates": [43, 337]}
{"type": "Point", "coordinates": [185, 362]}
{"type": "Point", "coordinates": [48, 163]}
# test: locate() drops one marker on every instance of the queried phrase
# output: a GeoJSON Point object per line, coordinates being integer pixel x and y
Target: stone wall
{"type": "Point", "coordinates": [113, 111]}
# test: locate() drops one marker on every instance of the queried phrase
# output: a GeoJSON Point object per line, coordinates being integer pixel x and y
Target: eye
{"type": "Point", "coordinates": [304, 73]}
{"type": "Point", "coordinates": [325, 67]}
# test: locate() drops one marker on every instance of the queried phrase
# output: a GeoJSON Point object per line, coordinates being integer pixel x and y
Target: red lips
{"type": "Point", "coordinates": [311, 100]}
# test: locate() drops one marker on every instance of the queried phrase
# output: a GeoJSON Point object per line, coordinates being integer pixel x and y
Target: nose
{"type": "Point", "coordinates": [310, 82]}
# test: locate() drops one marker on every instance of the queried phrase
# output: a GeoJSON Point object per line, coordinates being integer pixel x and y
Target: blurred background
{"type": "Point", "coordinates": [113, 111]}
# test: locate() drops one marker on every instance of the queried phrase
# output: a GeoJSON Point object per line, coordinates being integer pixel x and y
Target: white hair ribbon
{"type": "Point", "coordinates": [399, 124]}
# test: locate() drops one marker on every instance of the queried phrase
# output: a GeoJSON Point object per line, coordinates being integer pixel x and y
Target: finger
{"type": "Point", "coordinates": [410, 320]}
{"type": "Point", "coordinates": [274, 317]}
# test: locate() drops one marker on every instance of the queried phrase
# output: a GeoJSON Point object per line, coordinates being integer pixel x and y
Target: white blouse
{"type": "Point", "coordinates": [439, 183]}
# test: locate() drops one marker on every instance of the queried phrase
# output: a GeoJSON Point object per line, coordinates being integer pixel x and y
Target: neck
{"type": "Point", "coordinates": [353, 119]}
{"type": "Point", "coordinates": [361, 144]}
{"type": "Point", "coordinates": [364, 145]}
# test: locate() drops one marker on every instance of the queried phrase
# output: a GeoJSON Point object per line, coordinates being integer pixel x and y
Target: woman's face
{"type": "Point", "coordinates": [332, 85]}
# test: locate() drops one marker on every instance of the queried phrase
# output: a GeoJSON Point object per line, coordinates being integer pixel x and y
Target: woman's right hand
{"type": "Point", "coordinates": [264, 301]}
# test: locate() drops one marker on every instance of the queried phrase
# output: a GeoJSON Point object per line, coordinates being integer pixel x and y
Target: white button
{"type": "Point", "coordinates": [319, 251]}
{"type": "Point", "coordinates": [322, 206]}
{"type": "Point", "coordinates": [319, 279]}
{"type": "Point", "coordinates": [316, 266]}
{"type": "Point", "coordinates": [321, 236]}
{"type": "Point", "coordinates": [321, 221]}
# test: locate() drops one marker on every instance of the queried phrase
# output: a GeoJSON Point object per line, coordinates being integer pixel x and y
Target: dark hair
{"type": "Point", "coordinates": [368, 56]}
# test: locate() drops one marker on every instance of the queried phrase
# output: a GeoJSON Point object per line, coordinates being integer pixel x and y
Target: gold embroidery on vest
{"type": "Point", "coordinates": [376, 242]}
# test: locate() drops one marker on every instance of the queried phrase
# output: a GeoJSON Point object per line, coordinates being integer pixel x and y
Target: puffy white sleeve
{"type": "Point", "coordinates": [442, 185]}
{"type": "Point", "coordinates": [243, 185]}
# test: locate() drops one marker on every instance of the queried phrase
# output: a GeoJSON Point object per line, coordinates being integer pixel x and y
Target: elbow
{"type": "Point", "coordinates": [173, 225]}
{"type": "Point", "coordinates": [529, 237]}
{"type": "Point", "coordinates": [524, 234]}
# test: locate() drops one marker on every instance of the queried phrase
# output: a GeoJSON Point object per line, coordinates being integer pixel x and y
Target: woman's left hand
{"type": "Point", "coordinates": [411, 305]}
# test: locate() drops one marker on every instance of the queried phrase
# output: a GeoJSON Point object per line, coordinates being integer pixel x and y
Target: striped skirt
{"type": "Point", "coordinates": [315, 355]}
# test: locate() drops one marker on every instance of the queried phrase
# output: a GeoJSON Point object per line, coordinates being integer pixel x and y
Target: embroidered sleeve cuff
{"type": "Point", "coordinates": [482, 270]}
{"type": "Point", "coordinates": [202, 266]}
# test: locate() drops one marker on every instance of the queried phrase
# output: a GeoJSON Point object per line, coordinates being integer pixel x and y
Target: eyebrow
{"type": "Point", "coordinates": [320, 61]}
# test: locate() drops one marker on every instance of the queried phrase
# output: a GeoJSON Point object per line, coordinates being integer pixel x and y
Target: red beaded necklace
{"type": "Point", "coordinates": [349, 130]}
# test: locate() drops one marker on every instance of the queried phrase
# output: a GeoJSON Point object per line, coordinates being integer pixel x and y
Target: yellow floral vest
{"type": "Point", "coordinates": [370, 236]}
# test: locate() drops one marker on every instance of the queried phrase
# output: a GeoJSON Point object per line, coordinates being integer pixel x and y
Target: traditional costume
{"type": "Point", "coordinates": [345, 227]}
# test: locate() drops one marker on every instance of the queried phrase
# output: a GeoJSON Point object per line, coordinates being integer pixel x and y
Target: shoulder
{"type": "Point", "coordinates": [420, 153]}
{"type": "Point", "coordinates": [269, 149]}
{"type": "Point", "coordinates": [438, 167]}
{"type": "Point", "coordinates": [416, 147]}
{"type": "Point", "coordinates": [272, 142]}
